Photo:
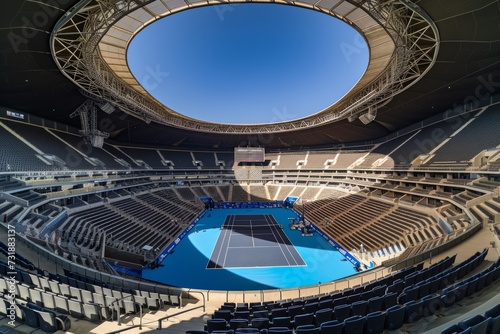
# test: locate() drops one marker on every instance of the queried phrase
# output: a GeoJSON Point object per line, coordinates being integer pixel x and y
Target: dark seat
{"type": "Point", "coordinates": [280, 330]}
{"type": "Point", "coordinates": [282, 322]}
{"type": "Point", "coordinates": [359, 307]}
{"type": "Point", "coordinates": [375, 322]}
{"type": "Point", "coordinates": [332, 327]}
{"type": "Point", "coordinates": [478, 324]}
{"type": "Point", "coordinates": [260, 323]}
{"type": "Point", "coordinates": [355, 325]}
{"type": "Point", "coordinates": [238, 323]}
{"type": "Point", "coordinates": [322, 316]}
{"type": "Point", "coordinates": [342, 312]}
{"type": "Point", "coordinates": [30, 317]}
{"type": "Point", "coordinates": [413, 311]}
{"type": "Point", "coordinates": [395, 317]}
{"type": "Point", "coordinates": [303, 319]}
{"type": "Point", "coordinates": [216, 324]}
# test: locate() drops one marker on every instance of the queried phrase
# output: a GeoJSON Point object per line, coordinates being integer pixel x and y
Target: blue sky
{"type": "Point", "coordinates": [248, 63]}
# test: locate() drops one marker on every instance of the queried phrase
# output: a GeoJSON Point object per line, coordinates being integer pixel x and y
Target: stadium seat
{"type": "Point", "coordinates": [282, 322]}
{"type": "Point", "coordinates": [477, 324]}
{"type": "Point", "coordinates": [278, 312]}
{"type": "Point", "coordinates": [375, 322]}
{"type": "Point", "coordinates": [238, 323]}
{"type": "Point", "coordinates": [375, 304]}
{"type": "Point", "coordinates": [431, 304]}
{"type": "Point", "coordinates": [307, 330]}
{"type": "Point", "coordinates": [30, 317]}
{"type": "Point", "coordinates": [259, 314]}
{"type": "Point", "coordinates": [322, 316]}
{"type": "Point", "coordinates": [413, 311]}
{"type": "Point", "coordinates": [342, 312]}
{"type": "Point", "coordinates": [279, 330]}
{"type": "Point", "coordinates": [390, 299]}
{"type": "Point", "coordinates": [494, 325]}
{"type": "Point", "coordinates": [294, 310]}
{"type": "Point", "coordinates": [303, 319]}
{"type": "Point", "coordinates": [260, 323]}
{"type": "Point", "coordinates": [248, 330]}
{"type": "Point", "coordinates": [311, 307]}
{"type": "Point", "coordinates": [395, 317]}
{"type": "Point", "coordinates": [355, 325]}
{"type": "Point", "coordinates": [455, 329]}
{"type": "Point", "coordinates": [222, 314]}
{"type": "Point", "coordinates": [332, 327]}
{"type": "Point", "coordinates": [92, 312]}
{"type": "Point", "coordinates": [359, 307]}
{"type": "Point", "coordinates": [216, 324]}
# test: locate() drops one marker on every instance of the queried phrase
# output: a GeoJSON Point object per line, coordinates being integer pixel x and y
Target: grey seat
{"type": "Point", "coordinates": [48, 300]}
{"type": "Point", "coordinates": [130, 306]}
{"type": "Point", "coordinates": [61, 304]}
{"type": "Point", "coordinates": [44, 284]}
{"type": "Point", "coordinates": [99, 299]}
{"type": "Point", "coordinates": [64, 289]}
{"type": "Point", "coordinates": [141, 300]}
{"type": "Point", "coordinates": [23, 291]}
{"type": "Point", "coordinates": [36, 297]}
{"type": "Point", "coordinates": [75, 309]}
{"type": "Point", "coordinates": [165, 298]}
{"type": "Point", "coordinates": [117, 294]}
{"type": "Point", "coordinates": [87, 297]}
{"type": "Point", "coordinates": [153, 303]}
{"type": "Point", "coordinates": [35, 280]}
{"type": "Point", "coordinates": [92, 312]}
{"type": "Point", "coordinates": [75, 293]}
{"type": "Point", "coordinates": [175, 300]}
{"type": "Point", "coordinates": [54, 287]}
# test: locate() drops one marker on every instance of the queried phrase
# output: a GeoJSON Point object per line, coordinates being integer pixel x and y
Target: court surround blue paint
{"type": "Point", "coordinates": [187, 265]}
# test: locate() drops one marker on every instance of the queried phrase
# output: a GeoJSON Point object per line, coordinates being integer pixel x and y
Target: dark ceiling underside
{"type": "Point", "coordinates": [468, 66]}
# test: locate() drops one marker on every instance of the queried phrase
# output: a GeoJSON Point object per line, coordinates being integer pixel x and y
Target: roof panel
{"type": "Point", "coordinates": [141, 15]}
{"type": "Point", "coordinates": [176, 4]}
{"type": "Point", "coordinates": [328, 4]}
{"type": "Point", "coordinates": [128, 23]}
{"type": "Point", "coordinates": [344, 8]}
{"type": "Point", "coordinates": [157, 7]}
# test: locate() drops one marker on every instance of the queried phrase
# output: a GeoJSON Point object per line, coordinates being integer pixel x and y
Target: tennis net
{"type": "Point", "coordinates": [252, 227]}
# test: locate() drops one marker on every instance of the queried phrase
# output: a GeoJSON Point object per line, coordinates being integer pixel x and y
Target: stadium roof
{"type": "Point", "coordinates": [467, 67]}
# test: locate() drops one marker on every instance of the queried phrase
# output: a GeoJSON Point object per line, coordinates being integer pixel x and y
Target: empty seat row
{"type": "Point", "coordinates": [34, 316]}
{"type": "Point", "coordinates": [489, 323]}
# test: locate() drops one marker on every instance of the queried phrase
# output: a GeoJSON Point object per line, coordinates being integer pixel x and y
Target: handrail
{"type": "Point", "coordinates": [118, 309]}
{"type": "Point", "coordinates": [182, 312]}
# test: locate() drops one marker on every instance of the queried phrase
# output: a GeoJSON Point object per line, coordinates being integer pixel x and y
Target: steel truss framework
{"type": "Point", "coordinates": [89, 45]}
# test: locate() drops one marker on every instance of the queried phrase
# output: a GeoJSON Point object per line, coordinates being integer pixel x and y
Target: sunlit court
{"type": "Point", "coordinates": [250, 249]}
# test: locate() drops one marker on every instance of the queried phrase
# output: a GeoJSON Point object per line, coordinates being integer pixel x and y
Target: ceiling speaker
{"type": "Point", "coordinates": [368, 117]}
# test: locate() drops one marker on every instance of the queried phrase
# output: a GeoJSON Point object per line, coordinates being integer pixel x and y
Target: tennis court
{"type": "Point", "coordinates": [187, 266]}
{"type": "Point", "coordinates": [253, 241]}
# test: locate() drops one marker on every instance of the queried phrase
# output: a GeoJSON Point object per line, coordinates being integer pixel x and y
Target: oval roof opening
{"type": "Point", "coordinates": [248, 63]}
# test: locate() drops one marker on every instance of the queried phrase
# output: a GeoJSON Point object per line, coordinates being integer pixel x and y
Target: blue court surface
{"type": "Point", "coordinates": [249, 249]}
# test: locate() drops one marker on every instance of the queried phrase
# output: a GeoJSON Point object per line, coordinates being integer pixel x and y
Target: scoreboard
{"type": "Point", "coordinates": [249, 154]}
